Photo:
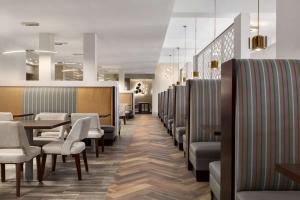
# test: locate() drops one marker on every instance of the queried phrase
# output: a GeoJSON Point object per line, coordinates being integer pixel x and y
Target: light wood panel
{"type": "Point", "coordinates": [11, 100]}
{"type": "Point", "coordinates": [96, 100]}
{"type": "Point", "coordinates": [126, 98]}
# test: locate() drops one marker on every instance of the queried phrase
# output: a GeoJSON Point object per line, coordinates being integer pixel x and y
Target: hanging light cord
{"type": "Point", "coordinates": [258, 17]}
{"type": "Point", "coordinates": [185, 46]}
{"type": "Point", "coordinates": [215, 20]}
{"type": "Point", "coordinates": [195, 35]}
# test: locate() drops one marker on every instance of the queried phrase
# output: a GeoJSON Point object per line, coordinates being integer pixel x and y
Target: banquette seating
{"type": "Point", "coordinates": [179, 115]}
{"type": "Point", "coordinates": [170, 115]}
{"type": "Point", "coordinates": [95, 133]}
{"type": "Point", "coordinates": [43, 137]}
{"type": "Point", "coordinates": [204, 120]}
{"type": "Point", "coordinates": [6, 116]}
{"type": "Point", "coordinates": [165, 112]}
{"type": "Point", "coordinates": [260, 129]}
{"type": "Point", "coordinates": [159, 105]}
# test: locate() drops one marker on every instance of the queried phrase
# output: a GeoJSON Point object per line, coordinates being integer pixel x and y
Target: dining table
{"type": "Point", "coordinates": [31, 125]}
{"type": "Point", "coordinates": [292, 171]}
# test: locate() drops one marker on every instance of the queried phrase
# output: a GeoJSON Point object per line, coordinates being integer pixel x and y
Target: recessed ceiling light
{"type": "Point", "coordinates": [77, 54]}
{"type": "Point", "coordinates": [30, 24]}
{"type": "Point", "coordinates": [60, 43]}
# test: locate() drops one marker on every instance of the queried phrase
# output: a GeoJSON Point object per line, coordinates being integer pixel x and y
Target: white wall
{"type": "Point", "coordinates": [12, 67]}
{"type": "Point", "coordinates": [162, 82]}
{"type": "Point", "coordinates": [288, 29]}
{"type": "Point", "coordinates": [268, 53]}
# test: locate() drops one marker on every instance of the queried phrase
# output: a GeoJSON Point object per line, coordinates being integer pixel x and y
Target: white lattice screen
{"type": "Point", "coordinates": [222, 49]}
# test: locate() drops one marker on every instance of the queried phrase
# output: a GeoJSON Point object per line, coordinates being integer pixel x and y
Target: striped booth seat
{"type": "Point", "coordinates": [261, 118]}
{"type": "Point", "coordinates": [170, 109]}
{"type": "Point", "coordinates": [179, 115]}
{"type": "Point", "coordinates": [161, 106]}
{"type": "Point", "coordinates": [165, 104]}
{"type": "Point", "coordinates": [158, 104]}
{"type": "Point", "coordinates": [204, 120]}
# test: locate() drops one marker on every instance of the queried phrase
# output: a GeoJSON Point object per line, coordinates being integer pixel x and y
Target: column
{"type": "Point", "coordinates": [46, 67]}
{"type": "Point", "coordinates": [90, 61]}
{"type": "Point", "coordinates": [121, 80]}
{"type": "Point", "coordinates": [287, 29]}
{"type": "Point", "coordinates": [241, 36]}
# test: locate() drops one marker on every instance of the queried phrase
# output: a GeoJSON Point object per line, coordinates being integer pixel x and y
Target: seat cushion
{"type": "Point", "coordinates": [215, 170]}
{"type": "Point", "coordinates": [202, 153]}
{"type": "Point", "coordinates": [18, 155]}
{"type": "Point", "coordinates": [56, 147]}
{"type": "Point", "coordinates": [268, 195]}
{"type": "Point", "coordinates": [180, 131]}
{"type": "Point", "coordinates": [95, 133]}
{"type": "Point", "coordinates": [40, 141]}
{"type": "Point", "coordinates": [109, 132]}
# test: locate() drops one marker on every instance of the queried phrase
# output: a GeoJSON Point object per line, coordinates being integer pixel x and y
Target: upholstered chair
{"type": "Point", "coordinates": [42, 137]}
{"type": "Point", "coordinates": [170, 114]}
{"type": "Point", "coordinates": [95, 133]}
{"type": "Point", "coordinates": [15, 149]}
{"type": "Point", "coordinates": [179, 116]}
{"type": "Point", "coordinates": [261, 118]}
{"type": "Point", "coordinates": [6, 116]}
{"type": "Point", "coordinates": [71, 146]}
{"type": "Point", "coordinates": [203, 146]}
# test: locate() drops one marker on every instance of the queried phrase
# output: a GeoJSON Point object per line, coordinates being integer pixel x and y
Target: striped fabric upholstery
{"type": "Point", "coordinates": [162, 104]}
{"type": "Point", "coordinates": [267, 122]}
{"type": "Point", "coordinates": [165, 107]}
{"type": "Point", "coordinates": [205, 109]}
{"type": "Point", "coordinates": [158, 104]}
{"type": "Point", "coordinates": [170, 103]}
{"type": "Point", "coordinates": [49, 99]}
{"type": "Point", "coordinates": [180, 106]}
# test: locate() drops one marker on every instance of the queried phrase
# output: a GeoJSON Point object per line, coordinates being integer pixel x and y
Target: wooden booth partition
{"type": "Point", "coordinates": [97, 99]}
{"type": "Point", "coordinates": [11, 100]}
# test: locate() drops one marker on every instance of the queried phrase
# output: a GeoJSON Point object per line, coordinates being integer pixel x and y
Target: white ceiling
{"type": "Point", "coordinates": [185, 12]}
{"type": "Point", "coordinates": [130, 32]}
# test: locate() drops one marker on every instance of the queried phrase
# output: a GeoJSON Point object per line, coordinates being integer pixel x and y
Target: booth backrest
{"type": "Point", "coordinates": [267, 122]}
{"type": "Point", "coordinates": [179, 105]}
{"type": "Point", "coordinates": [171, 103]}
{"type": "Point", "coordinates": [205, 110]}
{"type": "Point", "coordinates": [158, 103]}
{"type": "Point", "coordinates": [166, 103]}
{"type": "Point", "coordinates": [261, 118]}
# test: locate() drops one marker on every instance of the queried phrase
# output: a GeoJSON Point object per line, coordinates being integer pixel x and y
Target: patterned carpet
{"type": "Point", "coordinates": [143, 164]}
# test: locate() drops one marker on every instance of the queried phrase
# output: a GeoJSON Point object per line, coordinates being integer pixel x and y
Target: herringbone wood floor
{"type": "Point", "coordinates": [152, 168]}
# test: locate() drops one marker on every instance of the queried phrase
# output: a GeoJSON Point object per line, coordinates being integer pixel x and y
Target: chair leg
{"type": "Point", "coordinates": [102, 143]}
{"type": "Point", "coordinates": [54, 156]}
{"type": "Point", "coordinates": [77, 162]}
{"type": "Point", "coordinates": [39, 170]}
{"type": "Point", "coordinates": [85, 161]}
{"type": "Point", "coordinates": [97, 147]}
{"type": "Point", "coordinates": [63, 157]}
{"type": "Point", "coordinates": [18, 178]}
{"type": "Point", "coordinates": [2, 172]}
{"type": "Point", "coordinates": [44, 158]}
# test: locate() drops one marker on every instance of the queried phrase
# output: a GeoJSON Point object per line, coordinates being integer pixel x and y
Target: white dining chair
{"type": "Point", "coordinates": [44, 136]}
{"type": "Point", "coordinates": [71, 146]}
{"type": "Point", "coordinates": [6, 116]}
{"type": "Point", "coordinates": [15, 149]}
{"type": "Point", "coordinates": [95, 133]}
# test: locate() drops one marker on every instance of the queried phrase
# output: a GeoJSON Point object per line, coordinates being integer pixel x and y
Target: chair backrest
{"type": "Point", "coordinates": [6, 116]}
{"type": "Point", "coordinates": [78, 132]}
{"type": "Point", "coordinates": [52, 116]}
{"type": "Point", "coordinates": [205, 110]}
{"type": "Point", "coordinates": [13, 135]}
{"type": "Point", "coordinates": [95, 121]}
{"type": "Point", "coordinates": [171, 103]}
{"type": "Point", "coordinates": [179, 106]}
{"type": "Point", "coordinates": [262, 102]}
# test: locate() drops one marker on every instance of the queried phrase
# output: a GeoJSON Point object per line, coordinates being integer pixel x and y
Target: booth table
{"type": "Point", "coordinates": [292, 171]}
{"type": "Point", "coordinates": [29, 126]}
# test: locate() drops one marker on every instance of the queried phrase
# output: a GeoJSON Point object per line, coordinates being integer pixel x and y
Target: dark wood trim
{"type": "Point", "coordinates": [96, 141]}
{"type": "Point", "coordinates": [18, 179]}
{"type": "Point", "coordinates": [228, 94]}
{"type": "Point", "coordinates": [85, 160]}
{"type": "Point", "coordinates": [2, 172]}
{"type": "Point", "coordinates": [43, 124]}
{"type": "Point", "coordinates": [54, 156]}
{"type": "Point", "coordinates": [292, 171]}
{"type": "Point", "coordinates": [187, 121]}
{"type": "Point", "coordinates": [78, 167]}
{"type": "Point", "coordinates": [202, 176]}
{"type": "Point", "coordinates": [22, 115]}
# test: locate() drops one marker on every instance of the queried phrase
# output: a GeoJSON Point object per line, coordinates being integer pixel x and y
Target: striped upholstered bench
{"type": "Point", "coordinates": [204, 119]}
{"type": "Point", "coordinates": [179, 115]}
{"type": "Point", "coordinates": [170, 119]}
{"type": "Point", "coordinates": [165, 108]}
{"type": "Point", "coordinates": [158, 104]}
{"type": "Point", "coordinates": [260, 128]}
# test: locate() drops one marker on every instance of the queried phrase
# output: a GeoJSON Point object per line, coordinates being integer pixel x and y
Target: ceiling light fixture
{"type": "Point", "coordinates": [31, 24]}
{"type": "Point", "coordinates": [259, 42]}
{"type": "Point", "coordinates": [214, 62]}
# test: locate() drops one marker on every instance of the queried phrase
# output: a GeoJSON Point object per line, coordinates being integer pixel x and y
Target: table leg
{"type": "Point", "coordinates": [29, 164]}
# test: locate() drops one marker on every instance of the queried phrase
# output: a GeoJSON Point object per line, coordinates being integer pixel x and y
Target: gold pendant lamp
{"type": "Point", "coordinates": [215, 62]}
{"type": "Point", "coordinates": [259, 42]}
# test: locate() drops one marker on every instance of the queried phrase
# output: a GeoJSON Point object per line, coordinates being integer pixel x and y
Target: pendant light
{"type": "Point", "coordinates": [196, 73]}
{"type": "Point", "coordinates": [178, 66]}
{"type": "Point", "coordinates": [214, 61]}
{"type": "Point", "coordinates": [185, 50]}
{"type": "Point", "coordinates": [259, 42]}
